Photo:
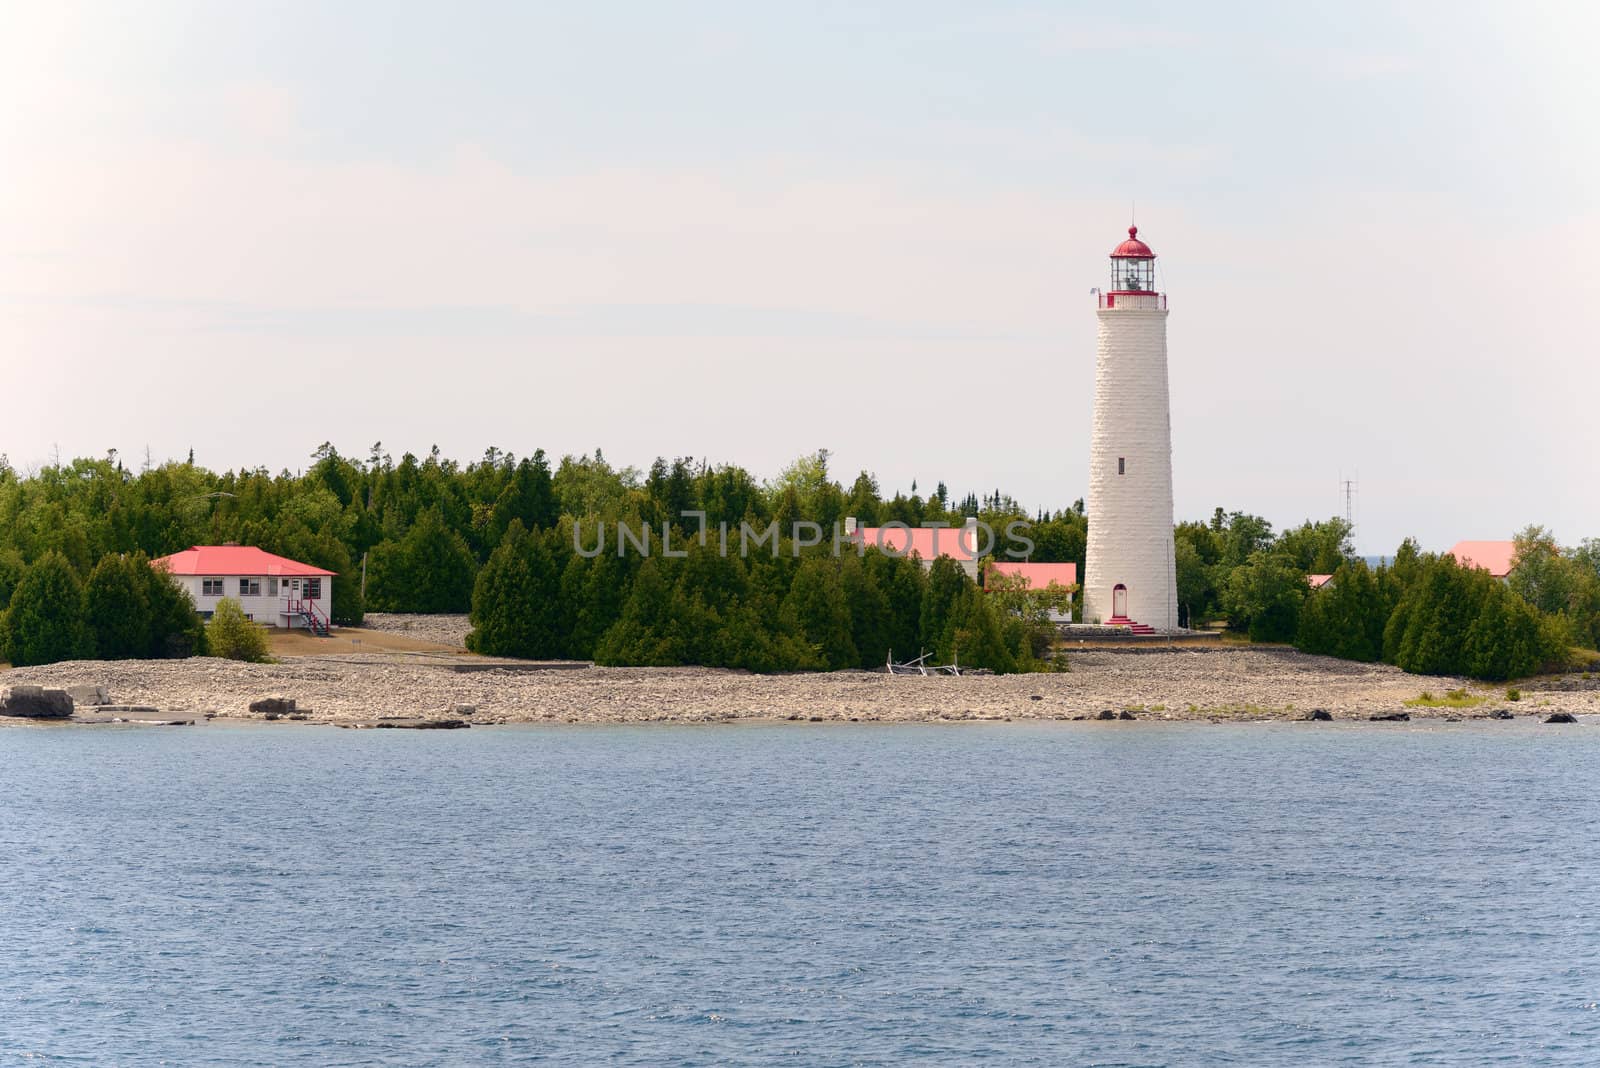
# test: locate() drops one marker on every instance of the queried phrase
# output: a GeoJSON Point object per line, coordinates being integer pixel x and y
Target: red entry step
{"type": "Point", "coordinates": [1136, 628]}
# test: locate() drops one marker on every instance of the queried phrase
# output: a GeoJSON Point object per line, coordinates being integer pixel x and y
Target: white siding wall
{"type": "Point", "coordinates": [263, 609]}
{"type": "Point", "coordinates": [1130, 514]}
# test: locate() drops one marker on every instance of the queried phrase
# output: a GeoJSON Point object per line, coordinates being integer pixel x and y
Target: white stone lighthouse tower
{"type": "Point", "coordinates": [1129, 577]}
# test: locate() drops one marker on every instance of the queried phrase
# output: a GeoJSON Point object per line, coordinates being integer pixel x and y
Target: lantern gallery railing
{"type": "Point", "coordinates": [1128, 299]}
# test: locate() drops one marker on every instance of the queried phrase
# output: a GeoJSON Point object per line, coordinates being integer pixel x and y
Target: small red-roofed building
{"type": "Point", "coordinates": [1495, 557]}
{"type": "Point", "coordinates": [1037, 577]}
{"type": "Point", "coordinates": [926, 543]}
{"type": "Point", "coordinates": [1318, 581]}
{"type": "Point", "coordinates": [273, 590]}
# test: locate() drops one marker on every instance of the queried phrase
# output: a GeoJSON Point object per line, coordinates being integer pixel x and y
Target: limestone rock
{"type": "Point", "coordinates": [35, 702]}
{"type": "Point", "coordinates": [1390, 717]}
{"type": "Point", "coordinates": [273, 707]}
{"type": "Point", "coordinates": [1561, 717]}
{"type": "Point", "coordinates": [90, 695]}
{"type": "Point", "coordinates": [1319, 715]}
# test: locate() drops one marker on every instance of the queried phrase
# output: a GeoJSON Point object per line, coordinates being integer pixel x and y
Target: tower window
{"type": "Point", "coordinates": [1122, 465]}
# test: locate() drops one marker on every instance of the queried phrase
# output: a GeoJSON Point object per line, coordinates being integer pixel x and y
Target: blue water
{"type": "Point", "coordinates": [1107, 894]}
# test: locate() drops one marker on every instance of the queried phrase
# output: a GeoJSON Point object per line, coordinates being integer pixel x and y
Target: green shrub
{"type": "Point", "coordinates": [231, 636]}
{"type": "Point", "coordinates": [1513, 694]}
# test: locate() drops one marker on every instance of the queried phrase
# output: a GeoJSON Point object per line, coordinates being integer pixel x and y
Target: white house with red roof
{"type": "Point", "coordinates": [273, 590]}
{"type": "Point", "coordinates": [927, 543]}
{"type": "Point", "coordinates": [1038, 577]}
{"type": "Point", "coordinates": [1495, 557]}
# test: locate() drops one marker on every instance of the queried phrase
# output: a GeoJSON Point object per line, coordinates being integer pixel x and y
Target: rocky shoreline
{"type": "Point", "coordinates": [1220, 685]}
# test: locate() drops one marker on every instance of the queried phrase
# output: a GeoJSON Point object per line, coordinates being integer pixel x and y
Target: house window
{"type": "Point", "coordinates": [313, 589]}
{"type": "Point", "coordinates": [249, 587]}
{"type": "Point", "coordinates": [1122, 465]}
{"type": "Point", "coordinates": [212, 587]}
{"type": "Point", "coordinates": [272, 587]}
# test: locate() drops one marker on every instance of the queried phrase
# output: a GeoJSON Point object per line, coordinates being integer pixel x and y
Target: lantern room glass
{"type": "Point", "coordinates": [1133, 276]}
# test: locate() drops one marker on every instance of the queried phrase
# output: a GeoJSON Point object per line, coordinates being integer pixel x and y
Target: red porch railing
{"type": "Point", "coordinates": [308, 613]}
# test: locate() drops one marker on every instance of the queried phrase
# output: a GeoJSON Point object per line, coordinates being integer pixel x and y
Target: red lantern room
{"type": "Point", "coordinates": [1133, 266]}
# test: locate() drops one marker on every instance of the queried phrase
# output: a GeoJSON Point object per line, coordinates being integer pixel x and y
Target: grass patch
{"type": "Point", "coordinates": [1513, 694]}
{"type": "Point", "coordinates": [1452, 699]}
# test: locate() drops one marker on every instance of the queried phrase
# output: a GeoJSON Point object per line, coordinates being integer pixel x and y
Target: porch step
{"type": "Point", "coordinates": [1135, 628]}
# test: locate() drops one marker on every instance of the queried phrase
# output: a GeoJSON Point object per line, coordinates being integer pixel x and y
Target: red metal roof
{"type": "Point", "coordinates": [1318, 581]}
{"type": "Point", "coordinates": [1495, 557]}
{"type": "Point", "coordinates": [1037, 576]}
{"type": "Point", "coordinates": [956, 542]}
{"type": "Point", "coordinates": [1133, 248]}
{"type": "Point", "coordinates": [219, 560]}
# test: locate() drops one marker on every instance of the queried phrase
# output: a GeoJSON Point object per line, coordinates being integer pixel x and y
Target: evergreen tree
{"type": "Point", "coordinates": [528, 497]}
{"type": "Point", "coordinates": [817, 611]}
{"type": "Point", "coordinates": [44, 622]}
{"type": "Point", "coordinates": [863, 502]}
{"type": "Point", "coordinates": [1428, 630]}
{"type": "Point", "coordinates": [430, 569]}
{"type": "Point", "coordinates": [871, 630]}
{"type": "Point", "coordinates": [176, 630]}
{"type": "Point", "coordinates": [117, 607]}
{"type": "Point", "coordinates": [947, 582]}
{"type": "Point", "coordinates": [597, 590]}
{"type": "Point", "coordinates": [641, 635]}
{"type": "Point", "coordinates": [11, 571]}
{"type": "Point", "coordinates": [1346, 618]}
{"type": "Point", "coordinates": [903, 582]}
{"type": "Point", "coordinates": [1503, 641]}
{"type": "Point", "coordinates": [515, 599]}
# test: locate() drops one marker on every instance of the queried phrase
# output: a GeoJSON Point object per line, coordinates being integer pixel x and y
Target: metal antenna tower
{"type": "Point", "coordinates": [1349, 487]}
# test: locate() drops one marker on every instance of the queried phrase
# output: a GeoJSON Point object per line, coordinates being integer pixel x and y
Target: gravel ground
{"type": "Point", "coordinates": [1242, 684]}
{"type": "Point", "coordinates": [446, 630]}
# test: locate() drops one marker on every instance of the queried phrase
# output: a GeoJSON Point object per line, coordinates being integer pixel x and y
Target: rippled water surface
{"type": "Point", "coordinates": [1106, 894]}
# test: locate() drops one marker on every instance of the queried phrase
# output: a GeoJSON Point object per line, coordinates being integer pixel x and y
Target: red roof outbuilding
{"type": "Point", "coordinates": [929, 543]}
{"type": "Point", "coordinates": [1495, 557]}
{"type": "Point", "coordinates": [1036, 576]}
{"type": "Point", "coordinates": [223, 560]}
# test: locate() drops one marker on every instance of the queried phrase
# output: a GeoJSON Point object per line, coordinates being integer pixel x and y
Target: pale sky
{"type": "Point", "coordinates": [748, 231]}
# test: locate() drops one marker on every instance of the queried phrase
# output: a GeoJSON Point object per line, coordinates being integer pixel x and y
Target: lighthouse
{"type": "Point", "coordinates": [1129, 577]}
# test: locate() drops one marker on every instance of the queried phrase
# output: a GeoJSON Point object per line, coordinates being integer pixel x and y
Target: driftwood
{"type": "Point", "coordinates": [920, 666]}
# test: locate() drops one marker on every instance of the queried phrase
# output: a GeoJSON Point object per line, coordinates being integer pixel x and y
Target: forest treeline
{"type": "Point", "coordinates": [495, 537]}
